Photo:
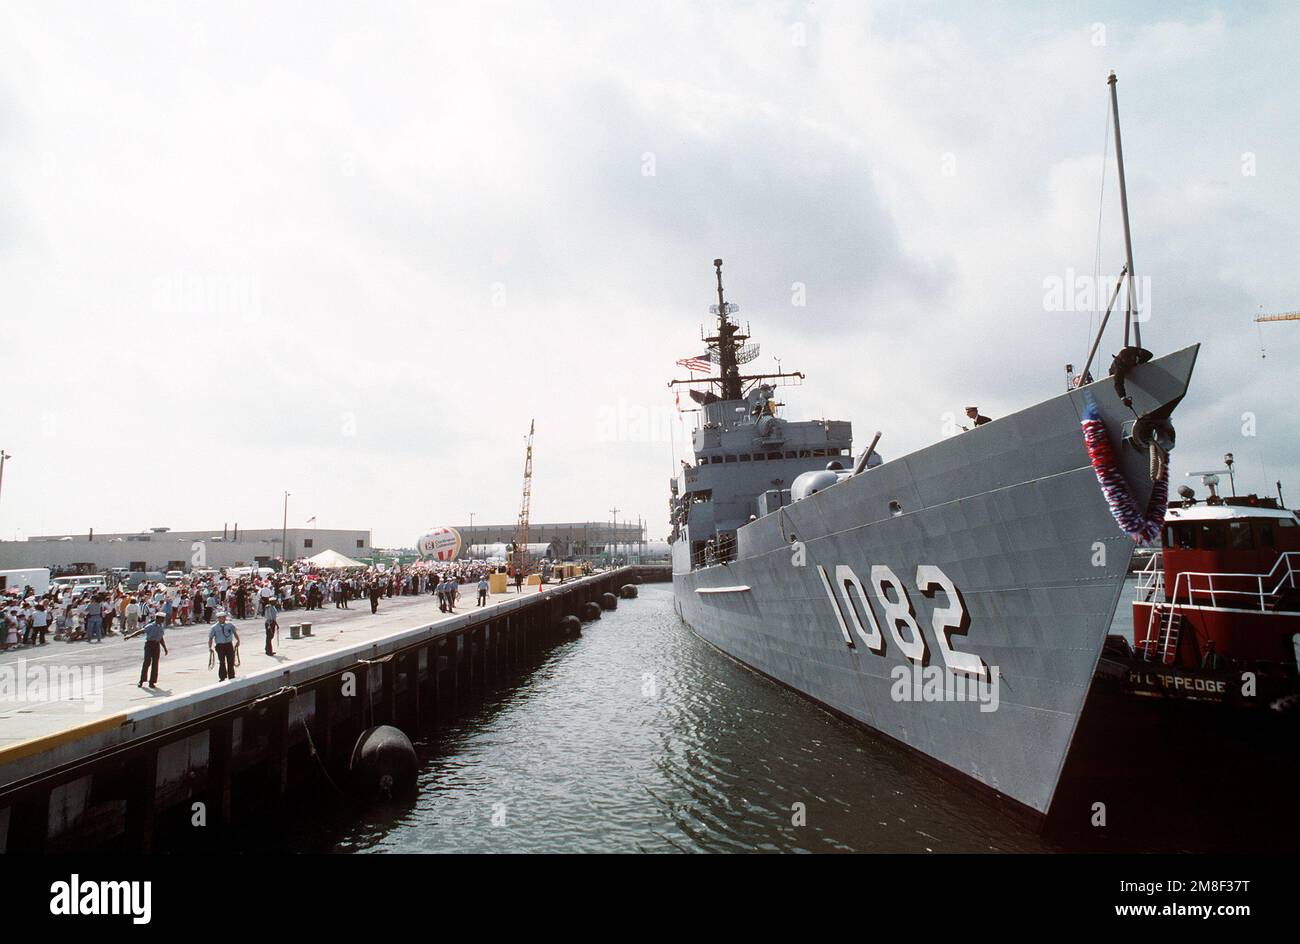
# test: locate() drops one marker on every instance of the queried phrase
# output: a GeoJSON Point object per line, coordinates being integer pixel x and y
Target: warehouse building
{"type": "Point", "coordinates": [566, 539]}
{"type": "Point", "coordinates": [163, 549]}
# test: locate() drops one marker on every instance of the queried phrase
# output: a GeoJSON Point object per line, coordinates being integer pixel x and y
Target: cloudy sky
{"type": "Point", "coordinates": [350, 250]}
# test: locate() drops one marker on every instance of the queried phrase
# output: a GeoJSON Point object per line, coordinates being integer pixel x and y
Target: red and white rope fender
{"type": "Point", "coordinates": [1139, 525]}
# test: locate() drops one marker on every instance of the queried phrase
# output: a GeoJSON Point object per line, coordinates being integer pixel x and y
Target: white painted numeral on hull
{"type": "Point", "coordinates": [948, 618]}
{"type": "Point", "coordinates": [848, 583]}
{"type": "Point", "coordinates": [899, 616]}
{"type": "Point", "coordinates": [899, 613]}
{"type": "Point", "coordinates": [830, 594]}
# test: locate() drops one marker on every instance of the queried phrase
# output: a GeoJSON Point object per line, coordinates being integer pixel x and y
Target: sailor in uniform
{"type": "Point", "coordinates": [153, 644]}
{"type": "Point", "coordinates": [225, 637]}
{"type": "Point", "coordinates": [272, 616]}
{"type": "Point", "coordinates": [973, 412]}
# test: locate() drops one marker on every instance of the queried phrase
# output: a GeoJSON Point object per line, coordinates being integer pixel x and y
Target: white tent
{"type": "Point", "coordinates": [332, 560]}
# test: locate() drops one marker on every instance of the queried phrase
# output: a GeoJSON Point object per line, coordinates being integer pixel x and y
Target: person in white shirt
{"type": "Point", "coordinates": [132, 616]}
{"type": "Point", "coordinates": [38, 622]}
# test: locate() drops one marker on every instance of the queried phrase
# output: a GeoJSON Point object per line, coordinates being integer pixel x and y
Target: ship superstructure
{"type": "Point", "coordinates": [747, 457]}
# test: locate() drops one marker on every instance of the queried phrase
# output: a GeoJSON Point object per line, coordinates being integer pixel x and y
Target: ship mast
{"type": "Point", "coordinates": [1129, 321]}
{"type": "Point", "coordinates": [726, 346]}
{"type": "Point", "coordinates": [1132, 329]}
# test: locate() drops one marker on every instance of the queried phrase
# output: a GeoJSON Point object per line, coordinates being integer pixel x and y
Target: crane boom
{"type": "Point", "coordinates": [521, 527]}
{"type": "Point", "coordinates": [1281, 316]}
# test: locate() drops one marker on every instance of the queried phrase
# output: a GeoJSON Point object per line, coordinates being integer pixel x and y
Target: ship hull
{"type": "Point", "coordinates": [1000, 549]}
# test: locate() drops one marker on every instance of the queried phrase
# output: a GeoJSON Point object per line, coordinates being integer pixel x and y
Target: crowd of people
{"type": "Point", "coordinates": [72, 614]}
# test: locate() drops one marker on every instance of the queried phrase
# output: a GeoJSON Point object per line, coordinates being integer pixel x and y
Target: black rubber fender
{"type": "Point", "coordinates": [383, 764]}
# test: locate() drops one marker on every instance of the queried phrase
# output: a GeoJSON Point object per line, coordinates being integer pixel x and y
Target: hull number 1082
{"type": "Point", "coordinates": [852, 606]}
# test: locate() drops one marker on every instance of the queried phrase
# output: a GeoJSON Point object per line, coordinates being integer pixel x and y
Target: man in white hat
{"type": "Point", "coordinates": [979, 419]}
{"type": "Point", "coordinates": [225, 637]}
{"type": "Point", "coordinates": [154, 645]}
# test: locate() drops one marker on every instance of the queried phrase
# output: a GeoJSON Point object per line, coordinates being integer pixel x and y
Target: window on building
{"type": "Point", "coordinates": [361, 542]}
{"type": "Point", "coordinates": [306, 542]}
{"type": "Point", "coordinates": [730, 459]}
{"type": "Point", "coordinates": [744, 457]}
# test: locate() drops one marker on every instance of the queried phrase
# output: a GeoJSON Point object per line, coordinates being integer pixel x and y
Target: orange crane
{"type": "Point", "coordinates": [521, 527]}
{"type": "Point", "coordinates": [1279, 316]}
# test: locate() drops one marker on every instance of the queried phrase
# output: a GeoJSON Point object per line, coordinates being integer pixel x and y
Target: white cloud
{"type": "Point", "coordinates": [350, 252]}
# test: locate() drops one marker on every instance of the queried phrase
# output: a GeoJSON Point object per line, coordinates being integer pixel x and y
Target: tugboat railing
{"type": "Point", "coordinates": [1268, 589]}
{"type": "Point", "coordinates": [1151, 578]}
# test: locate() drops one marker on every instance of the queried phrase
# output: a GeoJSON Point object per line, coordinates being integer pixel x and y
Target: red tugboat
{"type": "Point", "coordinates": [1188, 733]}
{"type": "Point", "coordinates": [1222, 596]}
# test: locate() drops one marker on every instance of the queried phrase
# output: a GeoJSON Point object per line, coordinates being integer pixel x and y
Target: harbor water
{"type": "Point", "coordinates": [640, 737]}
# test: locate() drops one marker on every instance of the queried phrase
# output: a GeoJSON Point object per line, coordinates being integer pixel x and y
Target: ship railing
{"type": "Point", "coordinates": [720, 551]}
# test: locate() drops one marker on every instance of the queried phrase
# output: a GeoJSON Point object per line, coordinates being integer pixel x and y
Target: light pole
{"type": "Point", "coordinates": [471, 529]}
{"type": "Point", "coordinates": [284, 534]}
{"type": "Point", "coordinates": [3, 456]}
{"type": "Point", "coordinates": [613, 537]}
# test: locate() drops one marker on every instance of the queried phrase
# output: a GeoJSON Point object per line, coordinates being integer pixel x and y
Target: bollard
{"type": "Point", "coordinates": [306, 629]}
{"type": "Point", "coordinates": [295, 630]}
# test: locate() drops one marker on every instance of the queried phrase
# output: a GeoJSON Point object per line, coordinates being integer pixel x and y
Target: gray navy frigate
{"type": "Point", "coordinates": [955, 599]}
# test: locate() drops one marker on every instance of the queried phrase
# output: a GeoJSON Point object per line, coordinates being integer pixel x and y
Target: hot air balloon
{"type": "Point", "coordinates": [440, 543]}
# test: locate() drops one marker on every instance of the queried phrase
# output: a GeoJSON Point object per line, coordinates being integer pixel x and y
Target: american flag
{"type": "Point", "coordinates": [700, 363]}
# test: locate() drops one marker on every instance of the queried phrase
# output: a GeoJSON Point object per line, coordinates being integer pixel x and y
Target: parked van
{"type": "Point", "coordinates": [38, 578]}
{"type": "Point", "coordinates": [93, 583]}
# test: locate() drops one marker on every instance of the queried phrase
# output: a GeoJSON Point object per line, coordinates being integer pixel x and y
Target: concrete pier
{"type": "Point", "coordinates": [126, 768]}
